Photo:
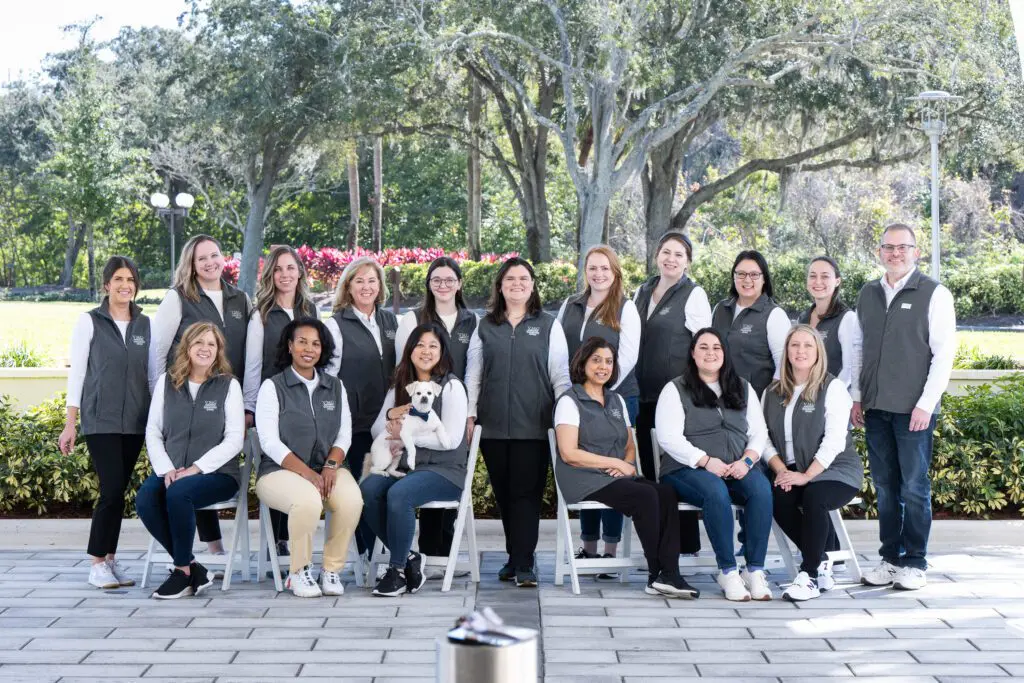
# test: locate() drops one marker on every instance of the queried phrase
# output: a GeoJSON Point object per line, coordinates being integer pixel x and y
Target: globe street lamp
{"type": "Point", "coordinates": [183, 201]}
{"type": "Point", "coordinates": [934, 107]}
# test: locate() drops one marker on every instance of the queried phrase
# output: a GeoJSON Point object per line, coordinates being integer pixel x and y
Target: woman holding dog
{"type": "Point", "coordinates": [441, 453]}
{"type": "Point", "coordinates": [305, 428]}
{"type": "Point", "coordinates": [518, 363]}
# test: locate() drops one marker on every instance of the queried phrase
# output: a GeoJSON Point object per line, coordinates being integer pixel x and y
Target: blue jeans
{"type": "Point", "coordinates": [715, 497]}
{"type": "Point", "coordinates": [389, 507]}
{"type": "Point", "coordinates": [899, 460]}
{"type": "Point", "coordinates": [169, 514]}
{"type": "Point", "coordinates": [591, 521]}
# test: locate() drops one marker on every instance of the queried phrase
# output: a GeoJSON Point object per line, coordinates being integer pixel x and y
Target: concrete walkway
{"type": "Point", "coordinates": [968, 624]}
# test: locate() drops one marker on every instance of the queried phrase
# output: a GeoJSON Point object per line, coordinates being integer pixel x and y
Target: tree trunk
{"type": "Point", "coordinates": [76, 235]}
{"type": "Point", "coordinates": [378, 190]}
{"type": "Point", "coordinates": [659, 179]}
{"type": "Point", "coordinates": [593, 209]}
{"type": "Point", "coordinates": [91, 253]}
{"type": "Point", "coordinates": [353, 200]}
{"type": "Point", "coordinates": [474, 174]}
{"type": "Point", "coordinates": [252, 244]}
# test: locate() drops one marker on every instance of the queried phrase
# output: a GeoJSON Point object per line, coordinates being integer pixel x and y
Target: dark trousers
{"type": "Point", "coordinates": [361, 442]}
{"type": "Point", "coordinates": [437, 531]}
{"type": "Point", "coordinates": [689, 526]}
{"type": "Point", "coordinates": [899, 460]}
{"type": "Point", "coordinates": [652, 507]}
{"type": "Point", "coordinates": [803, 513]}
{"type": "Point", "coordinates": [169, 514]}
{"type": "Point", "coordinates": [113, 457]}
{"type": "Point", "coordinates": [518, 469]}
{"type": "Point", "coordinates": [593, 521]}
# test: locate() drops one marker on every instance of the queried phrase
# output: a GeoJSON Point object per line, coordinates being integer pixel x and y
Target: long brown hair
{"type": "Point", "coordinates": [266, 291]}
{"type": "Point", "coordinates": [785, 384]}
{"type": "Point", "coordinates": [185, 273]}
{"type": "Point", "coordinates": [181, 368]}
{"type": "Point", "coordinates": [608, 312]}
{"type": "Point", "coordinates": [496, 306]}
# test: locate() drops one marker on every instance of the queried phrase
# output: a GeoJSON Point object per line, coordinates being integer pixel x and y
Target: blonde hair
{"type": "Point", "coordinates": [785, 385]}
{"type": "Point", "coordinates": [608, 312]}
{"type": "Point", "coordinates": [266, 291]}
{"type": "Point", "coordinates": [185, 273]}
{"type": "Point", "coordinates": [181, 367]}
{"type": "Point", "coordinates": [342, 296]}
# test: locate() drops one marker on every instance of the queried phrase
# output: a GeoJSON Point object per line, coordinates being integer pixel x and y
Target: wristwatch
{"type": "Point", "coordinates": [331, 465]}
{"type": "Point", "coordinates": [748, 462]}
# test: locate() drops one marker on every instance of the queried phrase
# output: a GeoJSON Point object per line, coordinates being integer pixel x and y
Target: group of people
{"type": "Point", "coordinates": [747, 408]}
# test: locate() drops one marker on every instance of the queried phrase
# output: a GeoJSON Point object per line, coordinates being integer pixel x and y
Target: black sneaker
{"type": "Point", "coordinates": [582, 554]}
{"type": "Point", "coordinates": [200, 578]}
{"type": "Point", "coordinates": [507, 572]}
{"type": "Point", "coordinates": [177, 585]}
{"type": "Point", "coordinates": [414, 578]}
{"type": "Point", "coordinates": [391, 585]}
{"type": "Point", "coordinates": [526, 577]}
{"type": "Point", "coordinates": [282, 549]}
{"type": "Point", "coordinates": [674, 586]}
{"type": "Point", "coordinates": [607, 577]}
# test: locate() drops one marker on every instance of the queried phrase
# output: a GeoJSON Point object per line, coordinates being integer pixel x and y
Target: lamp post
{"type": "Point", "coordinates": [934, 107]}
{"type": "Point", "coordinates": [183, 201]}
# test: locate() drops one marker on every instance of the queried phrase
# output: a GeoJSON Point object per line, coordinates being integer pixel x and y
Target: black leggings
{"type": "Point", "coordinates": [803, 513]}
{"type": "Point", "coordinates": [689, 528]}
{"type": "Point", "coordinates": [652, 507]}
{"type": "Point", "coordinates": [113, 457]}
{"type": "Point", "coordinates": [437, 530]}
{"type": "Point", "coordinates": [518, 469]}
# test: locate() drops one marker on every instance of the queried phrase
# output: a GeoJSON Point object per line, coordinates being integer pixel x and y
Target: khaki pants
{"type": "Point", "coordinates": [288, 492]}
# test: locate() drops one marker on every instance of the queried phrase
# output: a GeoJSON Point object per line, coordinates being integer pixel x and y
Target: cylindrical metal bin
{"type": "Point", "coordinates": [469, 662]}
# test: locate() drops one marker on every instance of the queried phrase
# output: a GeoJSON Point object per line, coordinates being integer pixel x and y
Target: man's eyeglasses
{"type": "Point", "coordinates": [442, 282]}
{"type": "Point", "coordinates": [901, 248]}
{"type": "Point", "coordinates": [742, 275]}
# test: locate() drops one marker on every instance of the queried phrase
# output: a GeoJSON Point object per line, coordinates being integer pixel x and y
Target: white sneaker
{"type": "Point", "coordinates": [802, 588]}
{"type": "Point", "coordinates": [757, 584]}
{"type": "Point", "coordinates": [330, 583]}
{"type": "Point", "coordinates": [882, 575]}
{"type": "Point", "coordinates": [733, 586]}
{"type": "Point", "coordinates": [910, 579]}
{"type": "Point", "coordinates": [120, 573]}
{"type": "Point", "coordinates": [302, 584]}
{"type": "Point", "coordinates": [101, 576]}
{"type": "Point", "coordinates": [825, 581]}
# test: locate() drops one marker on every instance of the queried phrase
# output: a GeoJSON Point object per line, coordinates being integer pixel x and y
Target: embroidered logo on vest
{"type": "Point", "coordinates": [746, 329]}
{"type": "Point", "coordinates": [616, 413]}
{"type": "Point", "coordinates": [328, 405]}
{"type": "Point", "coordinates": [807, 408]}
{"type": "Point", "coordinates": [533, 331]}
{"type": "Point", "coordinates": [210, 406]}
{"type": "Point", "coordinates": [390, 334]}
{"type": "Point", "coordinates": [824, 335]}
{"type": "Point", "coordinates": [138, 340]}
{"type": "Point", "coordinates": [463, 338]}
{"type": "Point", "coordinates": [665, 311]}
{"type": "Point", "coordinates": [237, 315]}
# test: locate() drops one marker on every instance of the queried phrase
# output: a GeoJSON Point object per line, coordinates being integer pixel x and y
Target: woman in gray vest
{"type": "Point", "coordinates": [443, 304]}
{"type": "Point", "coordinates": [363, 332]}
{"type": "Point", "coordinates": [835, 322]}
{"type": "Point", "coordinates": [603, 311]}
{"type": "Point", "coordinates": [753, 325]}
{"type": "Point", "coordinates": [711, 431]}
{"type": "Point", "coordinates": [811, 454]}
{"type": "Point", "coordinates": [193, 436]}
{"type": "Point", "coordinates": [441, 456]}
{"type": "Point", "coordinates": [200, 294]}
{"type": "Point", "coordinates": [672, 307]}
{"type": "Point", "coordinates": [305, 428]}
{"type": "Point", "coordinates": [597, 462]}
{"type": "Point", "coordinates": [282, 295]}
{"type": "Point", "coordinates": [107, 387]}
{"type": "Point", "coordinates": [518, 362]}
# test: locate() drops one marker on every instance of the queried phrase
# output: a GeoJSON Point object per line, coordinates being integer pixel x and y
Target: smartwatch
{"type": "Point", "coordinates": [331, 465]}
{"type": "Point", "coordinates": [748, 462]}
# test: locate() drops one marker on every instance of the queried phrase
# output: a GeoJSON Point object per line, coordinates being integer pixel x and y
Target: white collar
{"type": "Point", "coordinates": [899, 283]}
{"type": "Point", "coordinates": [307, 382]}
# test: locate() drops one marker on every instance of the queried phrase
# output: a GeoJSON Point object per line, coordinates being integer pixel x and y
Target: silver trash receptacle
{"type": "Point", "coordinates": [476, 662]}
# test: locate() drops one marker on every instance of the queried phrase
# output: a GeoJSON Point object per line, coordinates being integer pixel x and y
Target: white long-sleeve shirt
{"type": "Point", "coordinates": [697, 309]}
{"type": "Point", "coordinates": [941, 341]}
{"type": "Point", "coordinates": [558, 364]}
{"type": "Point", "coordinates": [670, 420]}
{"type": "Point", "coordinates": [164, 325]}
{"type": "Point", "coordinates": [629, 336]}
{"type": "Point", "coordinates": [837, 421]}
{"type": "Point", "coordinates": [229, 447]}
{"type": "Point", "coordinates": [851, 339]}
{"type": "Point", "coordinates": [369, 322]}
{"type": "Point", "coordinates": [268, 410]}
{"type": "Point", "coordinates": [81, 341]}
{"type": "Point", "coordinates": [254, 358]}
{"type": "Point", "coordinates": [454, 412]}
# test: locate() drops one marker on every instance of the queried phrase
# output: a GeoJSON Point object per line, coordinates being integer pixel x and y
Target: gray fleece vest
{"type": "Point", "coordinates": [572, 321]}
{"type": "Point", "coordinates": [896, 356]}
{"type": "Point", "coordinates": [516, 396]}
{"type": "Point", "coordinates": [307, 430]}
{"type": "Point", "coordinates": [365, 371]}
{"type": "Point", "coordinates": [602, 431]}
{"type": "Point", "coordinates": [458, 339]}
{"type": "Point", "coordinates": [115, 395]}
{"type": "Point", "coordinates": [450, 464]}
{"type": "Point", "coordinates": [233, 324]}
{"type": "Point", "coordinates": [808, 431]}
{"type": "Point", "coordinates": [664, 337]}
{"type": "Point", "coordinates": [747, 339]}
{"type": "Point", "coordinates": [273, 327]}
{"type": "Point", "coordinates": [718, 431]}
{"type": "Point", "coordinates": [193, 427]}
{"type": "Point", "coordinates": [828, 328]}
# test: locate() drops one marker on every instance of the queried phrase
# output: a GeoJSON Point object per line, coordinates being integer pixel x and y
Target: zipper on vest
{"type": "Point", "coordinates": [511, 357]}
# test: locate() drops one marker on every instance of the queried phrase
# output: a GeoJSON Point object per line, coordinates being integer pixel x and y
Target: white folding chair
{"type": "Point", "coordinates": [240, 536]}
{"type": "Point", "coordinates": [464, 522]}
{"type": "Point", "coordinates": [846, 550]}
{"type": "Point", "coordinates": [566, 561]}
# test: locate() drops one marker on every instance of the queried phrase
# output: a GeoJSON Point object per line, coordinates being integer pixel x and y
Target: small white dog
{"type": "Point", "coordinates": [420, 419]}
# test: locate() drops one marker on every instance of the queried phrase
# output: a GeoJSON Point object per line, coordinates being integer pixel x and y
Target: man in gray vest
{"type": "Point", "coordinates": [909, 342]}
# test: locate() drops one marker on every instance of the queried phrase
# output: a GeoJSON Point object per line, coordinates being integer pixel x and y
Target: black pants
{"type": "Point", "coordinates": [437, 531]}
{"type": "Point", "coordinates": [361, 442]}
{"type": "Point", "coordinates": [113, 457]}
{"type": "Point", "coordinates": [652, 507]}
{"type": "Point", "coordinates": [689, 527]}
{"type": "Point", "coordinates": [518, 469]}
{"type": "Point", "coordinates": [802, 512]}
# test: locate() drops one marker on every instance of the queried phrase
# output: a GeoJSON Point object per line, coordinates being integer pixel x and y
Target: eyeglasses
{"type": "Point", "coordinates": [442, 282]}
{"type": "Point", "coordinates": [741, 275]}
{"type": "Point", "coordinates": [901, 248]}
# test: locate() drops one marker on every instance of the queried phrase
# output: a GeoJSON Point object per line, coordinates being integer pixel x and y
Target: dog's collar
{"type": "Point", "coordinates": [416, 413]}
